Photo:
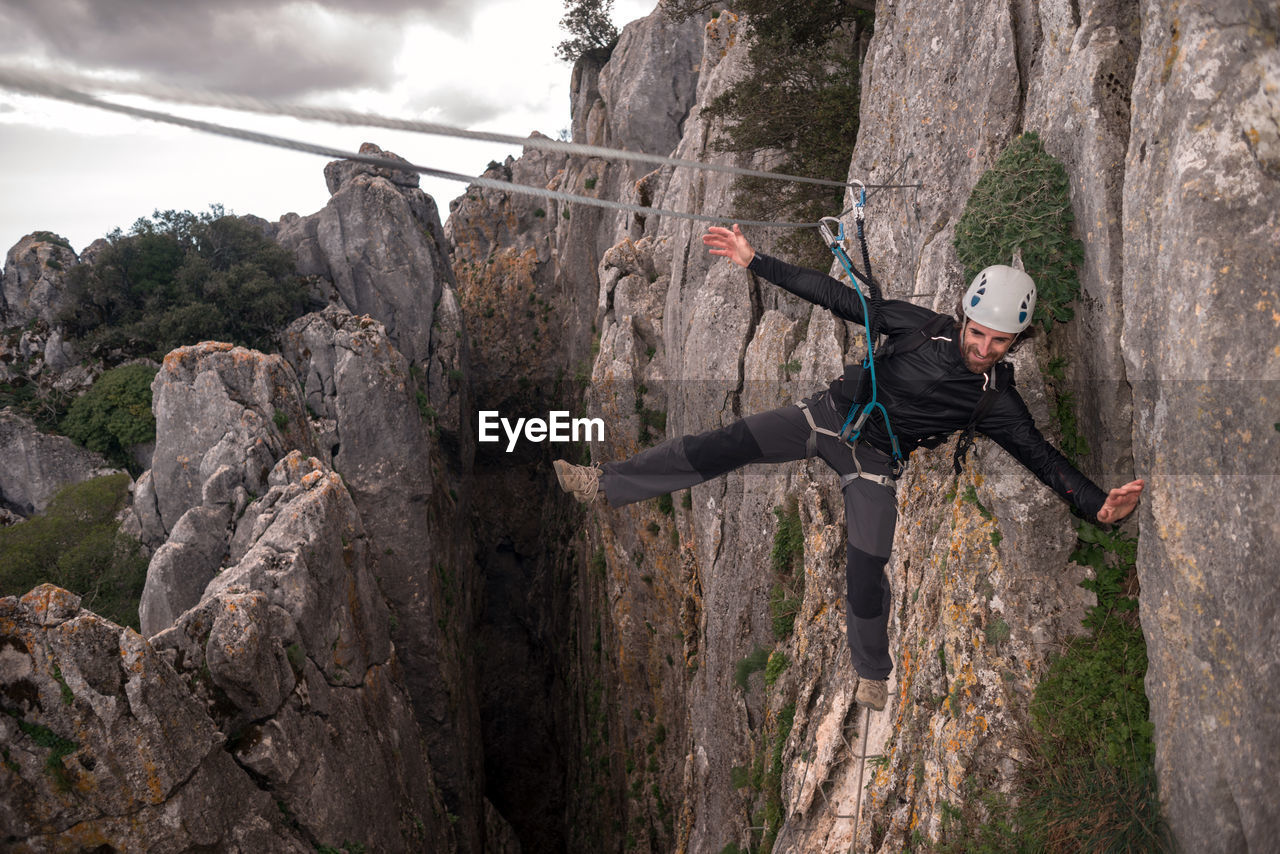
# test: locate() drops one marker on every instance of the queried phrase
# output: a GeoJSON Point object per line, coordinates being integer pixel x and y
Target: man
{"type": "Point", "coordinates": [933, 383]}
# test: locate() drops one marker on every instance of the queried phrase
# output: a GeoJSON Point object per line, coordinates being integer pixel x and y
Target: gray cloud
{"type": "Point", "coordinates": [267, 48]}
{"type": "Point", "coordinates": [458, 107]}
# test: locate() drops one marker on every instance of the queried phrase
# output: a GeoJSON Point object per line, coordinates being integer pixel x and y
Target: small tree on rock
{"type": "Point", "coordinates": [589, 24]}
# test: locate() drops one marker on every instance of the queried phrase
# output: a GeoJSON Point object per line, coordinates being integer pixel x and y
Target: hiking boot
{"type": "Point", "coordinates": [582, 482]}
{"type": "Point", "coordinates": [872, 693]}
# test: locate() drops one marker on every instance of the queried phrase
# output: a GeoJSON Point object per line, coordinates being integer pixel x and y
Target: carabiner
{"type": "Point", "coordinates": [832, 241]}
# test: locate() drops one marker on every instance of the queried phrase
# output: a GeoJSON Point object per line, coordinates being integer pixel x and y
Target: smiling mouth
{"type": "Point", "coordinates": [978, 363]}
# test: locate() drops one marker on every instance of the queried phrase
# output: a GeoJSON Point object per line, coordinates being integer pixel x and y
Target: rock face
{"type": "Point", "coordinates": [282, 680]}
{"type": "Point", "coordinates": [32, 295]}
{"type": "Point", "coordinates": [35, 465]}
{"type": "Point", "coordinates": [1164, 120]}
{"type": "Point", "coordinates": [32, 285]}
{"type": "Point", "coordinates": [1201, 216]}
{"type": "Point", "coordinates": [378, 243]}
{"type": "Point", "coordinates": [265, 604]}
{"type": "Point", "coordinates": [395, 472]}
{"type": "Point", "coordinates": [104, 743]}
{"type": "Point", "coordinates": [224, 416]}
{"type": "Point", "coordinates": [290, 649]}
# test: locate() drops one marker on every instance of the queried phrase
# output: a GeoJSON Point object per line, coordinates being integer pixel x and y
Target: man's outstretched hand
{"type": "Point", "coordinates": [729, 244]}
{"type": "Point", "coordinates": [1120, 502]}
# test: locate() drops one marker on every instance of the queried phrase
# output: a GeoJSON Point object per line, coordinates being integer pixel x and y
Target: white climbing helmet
{"type": "Point", "coordinates": [1001, 298]}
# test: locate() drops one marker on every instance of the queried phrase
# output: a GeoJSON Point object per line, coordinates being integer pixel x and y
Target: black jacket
{"type": "Point", "coordinates": [927, 391]}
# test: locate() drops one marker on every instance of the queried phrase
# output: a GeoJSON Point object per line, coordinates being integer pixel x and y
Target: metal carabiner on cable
{"type": "Point", "coordinates": [835, 240]}
{"type": "Point", "coordinates": [861, 204]}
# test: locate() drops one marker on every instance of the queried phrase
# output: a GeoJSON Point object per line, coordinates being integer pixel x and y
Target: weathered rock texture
{"type": "Point", "coordinates": [224, 416]}
{"type": "Point", "coordinates": [32, 295]}
{"type": "Point", "coordinates": [1201, 291]}
{"type": "Point", "coordinates": [378, 244]}
{"type": "Point", "coordinates": [1165, 121]}
{"type": "Point", "coordinates": [361, 393]}
{"type": "Point", "coordinates": [35, 465]}
{"type": "Point", "coordinates": [290, 650]}
{"type": "Point", "coordinates": [104, 744]}
{"type": "Point", "coordinates": [282, 680]}
{"type": "Point", "coordinates": [32, 285]}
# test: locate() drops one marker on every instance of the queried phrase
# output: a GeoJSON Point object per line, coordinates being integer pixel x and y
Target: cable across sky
{"type": "Point", "coordinates": [70, 88]}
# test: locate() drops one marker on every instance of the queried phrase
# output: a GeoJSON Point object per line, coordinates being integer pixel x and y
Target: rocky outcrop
{"type": "Point", "coordinates": [32, 296]}
{"type": "Point", "coordinates": [290, 651]}
{"type": "Point", "coordinates": [267, 619]}
{"type": "Point", "coordinates": [364, 399]}
{"type": "Point", "coordinates": [224, 416]}
{"type": "Point", "coordinates": [35, 465]}
{"type": "Point", "coordinates": [378, 244]}
{"type": "Point", "coordinates": [272, 716]}
{"type": "Point", "coordinates": [104, 744]}
{"type": "Point", "coordinates": [32, 286]}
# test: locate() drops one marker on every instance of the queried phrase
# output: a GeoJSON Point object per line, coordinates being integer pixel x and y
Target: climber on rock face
{"type": "Point", "coordinates": [933, 376]}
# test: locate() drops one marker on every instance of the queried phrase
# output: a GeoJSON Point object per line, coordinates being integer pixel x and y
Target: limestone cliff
{"type": "Point", "coordinates": [362, 627]}
{"type": "Point", "coordinates": [1164, 119]}
{"type": "Point", "coordinates": [309, 605]}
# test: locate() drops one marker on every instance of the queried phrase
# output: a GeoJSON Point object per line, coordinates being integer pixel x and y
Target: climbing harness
{"type": "Point", "coordinates": [859, 412]}
{"type": "Point", "coordinates": [811, 450]}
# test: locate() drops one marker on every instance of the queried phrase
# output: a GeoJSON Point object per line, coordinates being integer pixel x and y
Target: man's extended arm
{"type": "Point", "coordinates": [1012, 427]}
{"type": "Point", "coordinates": [811, 285]}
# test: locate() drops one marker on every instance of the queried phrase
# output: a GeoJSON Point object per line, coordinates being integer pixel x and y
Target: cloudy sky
{"type": "Point", "coordinates": [80, 172]}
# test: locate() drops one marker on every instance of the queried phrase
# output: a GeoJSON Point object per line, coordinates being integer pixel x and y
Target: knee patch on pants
{"type": "Point", "coordinates": [712, 454]}
{"type": "Point", "coordinates": [865, 576]}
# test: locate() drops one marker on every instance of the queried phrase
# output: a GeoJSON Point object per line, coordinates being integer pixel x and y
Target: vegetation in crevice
{"type": "Point", "coordinates": [787, 562]}
{"type": "Point", "coordinates": [59, 748]}
{"type": "Point", "coordinates": [797, 104]}
{"type": "Point", "coordinates": [1023, 203]}
{"type": "Point", "coordinates": [76, 543]}
{"type": "Point", "coordinates": [1089, 781]}
{"type": "Point", "coordinates": [1073, 445]}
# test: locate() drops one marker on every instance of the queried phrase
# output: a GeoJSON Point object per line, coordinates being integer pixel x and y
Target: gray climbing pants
{"type": "Point", "coordinates": [778, 436]}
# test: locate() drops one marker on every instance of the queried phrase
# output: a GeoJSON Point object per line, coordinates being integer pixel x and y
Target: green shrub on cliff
{"type": "Point", "coordinates": [180, 278]}
{"type": "Point", "coordinates": [590, 29]}
{"type": "Point", "coordinates": [1023, 202]}
{"type": "Point", "coordinates": [115, 413]}
{"type": "Point", "coordinates": [76, 544]}
{"type": "Point", "coordinates": [798, 100]}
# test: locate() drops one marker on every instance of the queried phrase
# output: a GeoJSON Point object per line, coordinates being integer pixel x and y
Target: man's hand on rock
{"type": "Point", "coordinates": [1120, 502]}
